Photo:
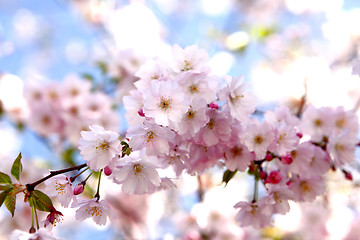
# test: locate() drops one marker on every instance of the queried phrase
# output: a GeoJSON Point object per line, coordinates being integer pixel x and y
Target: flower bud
{"type": "Point", "coordinates": [299, 134]}
{"type": "Point", "coordinates": [287, 160]}
{"type": "Point", "coordinates": [107, 171]}
{"type": "Point", "coordinates": [274, 177]}
{"type": "Point", "coordinates": [32, 230]}
{"type": "Point", "coordinates": [269, 157]}
{"type": "Point", "coordinates": [141, 112]}
{"type": "Point", "coordinates": [78, 189]}
{"type": "Point", "coordinates": [263, 175]}
{"type": "Point", "coordinates": [348, 175]}
{"type": "Point", "coordinates": [214, 105]}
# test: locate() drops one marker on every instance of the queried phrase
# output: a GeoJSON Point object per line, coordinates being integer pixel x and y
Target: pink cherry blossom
{"type": "Point", "coordinates": [98, 146]}
{"type": "Point", "coordinates": [202, 158]}
{"type": "Point", "coordinates": [301, 157]}
{"type": "Point", "coordinates": [217, 129]}
{"type": "Point", "coordinates": [132, 104]}
{"type": "Point", "coordinates": [253, 214]}
{"type": "Point", "coordinates": [59, 186]}
{"type": "Point", "coordinates": [42, 233]}
{"type": "Point", "coordinates": [164, 103]}
{"type": "Point", "coordinates": [194, 119]}
{"type": "Point", "coordinates": [137, 173]}
{"type": "Point", "coordinates": [307, 189]}
{"type": "Point", "coordinates": [240, 102]}
{"type": "Point", "coordinates": [99, 211]}
{"type": "Point", "coordinates": [317, 122]}
{"type": "Point", "coordinates": [287, 140]}
{"type": "Point", "coordinates": [190, 59]}
{"type": "Point", "coordinates": [281, 115]}
{"type": "Point", "coordinates": [176, 158]}
{"type": "Point", "coordinates": [74, 88]}
{"type": "Point", "coordinates": [342, 148]}
{"type": "Point", "coordinates": [153, 69]}
{"type": "Point", "coordinates": [345, 121]}
{"type": "Point", "coordinates": [277, 199]}
{"type": "Point", "coordinates": [152, 137]}
{"type": "Point", "coordinates": [238, 157]}
{"type": "Point", "coordinates": [198, 85]}
{"type": "Point", "coordinates": [319, 164]}
{"type": "Point", "coordinates": [53, 218]}
{"type": "Point", "coordinates": [258, 137]}
{"type": "Point", "coordinates": [44, 119]}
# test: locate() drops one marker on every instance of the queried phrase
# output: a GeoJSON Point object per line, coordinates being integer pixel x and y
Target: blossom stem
{"type": "Point", "coordinates": [31, 186]}
{"type": "Point", "coordinates": [200, 189]}
{"type": "Point", "coordinates": [87, 177]}
{"type": "Point", "coordinates": [36, 218]}
{"type": "Point", "coordinates": [32, 217]}
{"type": "Point", "coordinates": [72, 179]}
{"type": "Point", "coordinates": [97, 195]}
{"type": "Point", "coordinates": [256, 189]}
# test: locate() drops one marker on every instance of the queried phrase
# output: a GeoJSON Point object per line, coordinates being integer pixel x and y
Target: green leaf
{"type": "Point", "coordinates": [228, 175]}
{"type": "Point", "coordinates": [3, 195]}
{"type": "Point", "coordinates": [6, 186]}
{"type": "Point", "coordinates": [41, 201]}
{"type": "Point", "coordinates": [103, 67]}
{"type": "Point", "coordinates": [4, 178]}
{"type": "Point", "coordinates": [68, 156]}
{"type": "Point", "coordinates": [88, 77]}
{"type": "Point", "coordinates": [88, 191]}
{"type": "Point", "coordinates": [10, 202]}
{"type": "Point", "coordinates": [17, 167]}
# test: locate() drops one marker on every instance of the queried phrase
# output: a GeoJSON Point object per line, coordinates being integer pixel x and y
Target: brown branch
{"type": "Point", "coordinates": [31, 186]}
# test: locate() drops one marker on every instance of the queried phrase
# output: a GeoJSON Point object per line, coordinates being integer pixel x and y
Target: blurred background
{"type": "Point", "coordinates": [285, 49]}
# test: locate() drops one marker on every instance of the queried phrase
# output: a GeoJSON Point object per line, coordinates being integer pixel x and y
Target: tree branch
{"type": "Point", "coordinates": [31, 186]}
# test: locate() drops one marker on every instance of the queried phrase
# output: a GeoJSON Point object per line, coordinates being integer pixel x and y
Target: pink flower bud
{"type": "Point", "coordinates": [263, 175]}
{"type": "Point", "coordinates": [287, 160]}
{"type": "Point", "coordinates": [141, 112]}
{"type": "Point", "coordinates": [299, 134]}
{"type": "Point", "coordinates": [269, 157]}
{"type": "Point", "coordinates": [32, 230]}
{"type": "Point", "coordinates": [348, 175]}
{"type": "Point", "coordinates": [107, 171]}
{"type": "Point", "coordinates": [274, 177]}
{"type": "Point", "coordinates": [78, 189]}
{"type": "Point", "coordinates": [214, 105]}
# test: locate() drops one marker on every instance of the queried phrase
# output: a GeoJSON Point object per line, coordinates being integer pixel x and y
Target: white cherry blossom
{"type": "Point", "coordinates": [98, 146]}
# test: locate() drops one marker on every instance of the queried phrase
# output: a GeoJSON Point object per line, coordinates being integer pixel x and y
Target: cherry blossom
{"type": "Point", "coordinates": [154, 138]}
{"type": "Point", "coordinates": [307, 189]}
{"type": "Point", "coordinates": [342, 148]}
{"type": "Point", "coordinates": [137, 174]}
{"type": "Point", "coordinates": [99, 211]}
{"type": "Point", "coordinates": [198, 85]}
{"type": "Point", "coordinates": [190, 58]}
{"type": "Point", "coordinates": [165, 103]}
{"type": "Point", "coordinates": [217, 129]}
{"type": "Point", "coordinates": [41, 233]}
{"type": "Point", "coordinates": [240, 102]}
{"type": "Point", "coordinates": [238, 157]}
{"type": "Point", "coordinates": [61, 187]}
{"type": "Point", "coordinates": [278, 199]}
{"type": "Point", "coordinates": [253, 214]}
{"type": "Point", "coordinates": [259, 137]}
{"type": "Point", "coordinates": [98, 146]}
{"type": "Point", "coordinates": [194, 119]}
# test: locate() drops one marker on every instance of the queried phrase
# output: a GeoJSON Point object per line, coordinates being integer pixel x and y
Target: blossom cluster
{"type": "Point", "coordinates": [66, 108]}
{"type": "Point", "coordinates": [181, 117]}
